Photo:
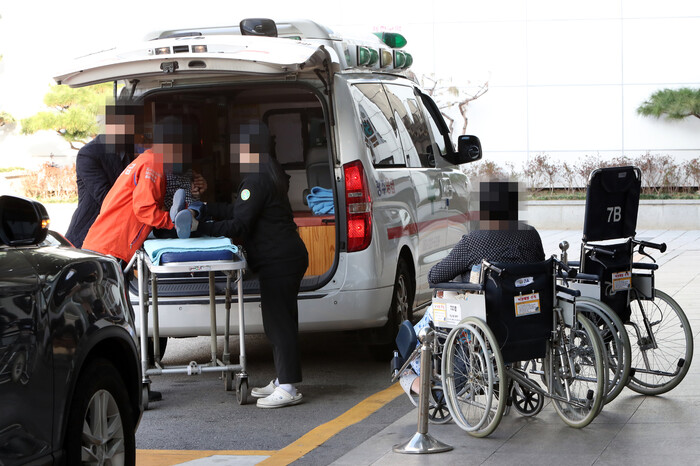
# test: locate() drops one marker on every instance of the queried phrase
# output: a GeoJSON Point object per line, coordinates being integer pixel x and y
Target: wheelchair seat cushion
{"type": "Point", "coordinates": [519, 307]}
{"type": "Point", "coordinates": [612, 203]}
{"type": "Point", "coordinates": [163, 251]}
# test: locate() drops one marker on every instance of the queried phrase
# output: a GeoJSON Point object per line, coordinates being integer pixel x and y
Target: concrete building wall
{"type": "Point", "coordinates": [565, 78]}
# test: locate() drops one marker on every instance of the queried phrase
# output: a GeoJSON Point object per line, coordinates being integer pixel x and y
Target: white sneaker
{"type": "Point", "coordinates": [278, 399]}
{"type": "Point", "coordinates": [262, 392]}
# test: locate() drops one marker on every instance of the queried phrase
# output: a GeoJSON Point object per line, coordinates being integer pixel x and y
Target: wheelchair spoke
{"type": "Point", "coordinates": [470, 382]}
{"type": "Point", "coordinates": [577, 384]}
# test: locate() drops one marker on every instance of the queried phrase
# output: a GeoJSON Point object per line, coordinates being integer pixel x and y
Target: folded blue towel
{"type": "Point", "coordinates": [323, 208]}
{"type": "Point", "coordinates": [320, 200]}
{"type": "Point", "coordinates": [156, 247]}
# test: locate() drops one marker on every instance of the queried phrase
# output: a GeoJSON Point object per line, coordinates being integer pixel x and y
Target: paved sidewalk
{"type": "Point", "coordinates": [633, 429]}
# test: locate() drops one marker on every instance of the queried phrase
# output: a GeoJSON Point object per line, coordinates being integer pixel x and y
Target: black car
{"type": "Point", "coordinates": [70, 378]}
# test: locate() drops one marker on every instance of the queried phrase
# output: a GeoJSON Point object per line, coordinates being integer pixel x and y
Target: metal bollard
{"type": "Point", "coordinates": [422, 441]}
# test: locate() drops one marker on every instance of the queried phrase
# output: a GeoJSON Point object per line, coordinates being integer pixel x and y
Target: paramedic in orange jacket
{"type": "Point", "coordinates": [134, 205]}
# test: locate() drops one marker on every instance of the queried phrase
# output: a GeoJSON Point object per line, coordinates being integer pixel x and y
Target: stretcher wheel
{"type": "Point", "coordinates": [144, 397]}
{"type": "Point", "coordinates": [241, 389]}
{"type": "Point", "coordinates": [228, 381]}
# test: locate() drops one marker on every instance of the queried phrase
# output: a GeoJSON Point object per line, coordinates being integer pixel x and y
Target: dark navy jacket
{"type": "Point", "coordinates": [96, 168]}
{"type": "Point", "coordinates": [262, 218]}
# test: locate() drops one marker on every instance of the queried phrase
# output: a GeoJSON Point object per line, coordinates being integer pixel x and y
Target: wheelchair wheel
{"type": "Point", "coordinates": [438, 413]}
{"type": "Point", "coordinates": [616, 343]}
{"type": "Point", "coordinates": [526, 401]}
{"type": "Point", "coordinates": [575, 370]}
{"type": "Point", "coordinates": [473, 377]}
{"type": "Point", "coordinates": [662, 347]}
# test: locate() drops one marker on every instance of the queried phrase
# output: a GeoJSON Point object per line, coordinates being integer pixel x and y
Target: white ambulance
{"type": "Point", "coordinates": [344, 116]}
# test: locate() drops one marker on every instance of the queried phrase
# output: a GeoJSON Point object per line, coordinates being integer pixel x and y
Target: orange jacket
{"type": "Point", "coordinates": [132, 208]}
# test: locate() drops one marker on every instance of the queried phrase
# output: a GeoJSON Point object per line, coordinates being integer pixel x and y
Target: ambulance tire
{"type": "Point", "coordinates": [401, 309]}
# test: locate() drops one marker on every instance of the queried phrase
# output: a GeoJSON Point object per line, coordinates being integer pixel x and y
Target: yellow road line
{"type": "Point", "coordinates": [322, 433]}
{"type": "Point", "coordinates": [172, 457]}
{"type": "Point", "coordinates": [291, 452]}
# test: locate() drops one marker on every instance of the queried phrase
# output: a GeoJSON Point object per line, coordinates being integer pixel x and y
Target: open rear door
{"type": "Point", "coordinates": [199, 56]}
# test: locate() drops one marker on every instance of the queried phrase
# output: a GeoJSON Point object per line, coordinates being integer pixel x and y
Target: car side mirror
{"type": "Point", "coordinates": [23, 222]}
{"type": "Point", "coordinates": [469, 149]}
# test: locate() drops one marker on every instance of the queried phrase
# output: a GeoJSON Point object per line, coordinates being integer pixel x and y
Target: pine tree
{"type": "Point", "coordinates": [674, 104]}
{"type": "Point", "coordinates": [73, 112]}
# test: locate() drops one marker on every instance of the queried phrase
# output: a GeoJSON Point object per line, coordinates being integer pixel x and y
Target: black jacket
{"type": "Point", "coordinates": [262, 219]}
{"type": "Point", "coordinates": [96, 169]}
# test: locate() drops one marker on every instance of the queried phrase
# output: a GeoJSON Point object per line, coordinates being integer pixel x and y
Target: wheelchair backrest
{"type": "Point", "coordinates": [612, 203]}
{"type": "Point", "coordinates": [519, 307]}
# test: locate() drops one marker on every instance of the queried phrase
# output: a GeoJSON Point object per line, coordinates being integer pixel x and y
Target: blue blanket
{"type": "Point", "coordinates": [320, 200]}
{"type": "Point", "coordinates": [157, 247]}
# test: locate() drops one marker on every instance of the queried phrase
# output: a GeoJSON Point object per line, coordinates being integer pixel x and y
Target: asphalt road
{"type": "Point", "coordinates": [196, 413]}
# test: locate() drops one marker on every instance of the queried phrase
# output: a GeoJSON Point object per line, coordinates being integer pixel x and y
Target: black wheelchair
{"type": "Point", "coordinates": [514, 343]}
{"type": "Point", "coordinates": [659, 331]}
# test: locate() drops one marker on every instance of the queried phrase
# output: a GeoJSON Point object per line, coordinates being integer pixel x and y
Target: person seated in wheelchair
{"type": "Point", "coordinates": [496, 234]}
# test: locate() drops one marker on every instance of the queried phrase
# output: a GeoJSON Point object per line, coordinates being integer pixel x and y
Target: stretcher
{"type": "Point", "coordinates": [193, 255]}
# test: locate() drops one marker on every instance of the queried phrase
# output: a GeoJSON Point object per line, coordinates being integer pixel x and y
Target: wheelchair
{"type": "Point", "coordinates": [659, 331]}
{"type": "Point", "coordinates": [516, 346]}
{"type": "Point", "coordinates": [616, 342]}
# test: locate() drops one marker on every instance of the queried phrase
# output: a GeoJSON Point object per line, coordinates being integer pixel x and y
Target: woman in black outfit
{"type": "Point", "coordinates": [262, 218]}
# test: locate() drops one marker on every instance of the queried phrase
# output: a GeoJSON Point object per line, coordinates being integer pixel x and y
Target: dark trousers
{"type": "Point", "coordinates": [280, 313]}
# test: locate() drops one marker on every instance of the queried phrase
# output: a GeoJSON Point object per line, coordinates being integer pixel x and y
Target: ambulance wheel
{"type": "Point", "coordinates": [401, 309]}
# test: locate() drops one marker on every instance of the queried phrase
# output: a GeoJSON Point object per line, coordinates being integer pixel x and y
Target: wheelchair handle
{"type": "Point", "coordinates": [604, 252]}
{"type": "Point", "coordinates": [490, 266]}
{"type": "Point", "coordinates": [564, 270]}
{"type": "Point", "coordinates": [642, 244]}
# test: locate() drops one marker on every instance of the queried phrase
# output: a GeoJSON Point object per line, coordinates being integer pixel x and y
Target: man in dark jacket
{"type": "Point", "coordinates": [98, 165]}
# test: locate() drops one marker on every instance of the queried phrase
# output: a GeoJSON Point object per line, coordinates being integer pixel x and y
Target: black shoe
{"type": "Point", "coordinates": [154, 395]}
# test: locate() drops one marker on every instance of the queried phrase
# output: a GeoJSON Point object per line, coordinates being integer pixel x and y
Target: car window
{"type": "Point", "coordinates": [412, 126]}
{"type": "Point", "coordinates": [374, 112]}
{"type": "Point", "coordinates": [286, 132]}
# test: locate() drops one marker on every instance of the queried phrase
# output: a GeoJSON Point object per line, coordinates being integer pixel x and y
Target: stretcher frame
{"type": "Point", "coordinates": [232, 269]}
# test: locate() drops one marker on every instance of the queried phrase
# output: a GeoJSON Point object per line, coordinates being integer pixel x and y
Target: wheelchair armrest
{"type": "Point", "coordinates": [569, 291]}
{"type": "Point", "coordinates": [645, 265]}
{"type": "Point", "coordinates": [587, 276]}
{"type": "Point", "coordinates": [574, 263]}
{"type": "Point", "coordinates": [458, 286]}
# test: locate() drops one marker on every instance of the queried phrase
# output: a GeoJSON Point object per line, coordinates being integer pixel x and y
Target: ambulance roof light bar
{"type": "Point", "coordinates": [376, 51]}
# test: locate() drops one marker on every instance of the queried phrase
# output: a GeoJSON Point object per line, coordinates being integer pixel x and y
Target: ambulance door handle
{"type": "Point", "coordinates": [446, 190]}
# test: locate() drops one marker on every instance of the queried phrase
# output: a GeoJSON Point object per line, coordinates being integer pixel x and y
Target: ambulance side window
{"type": "Point", "coordinates": [413, 129]}
{"type": "Point", "coordinates": [374, 113]}
{"type": "Point", "coordinates": [438, 127]}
